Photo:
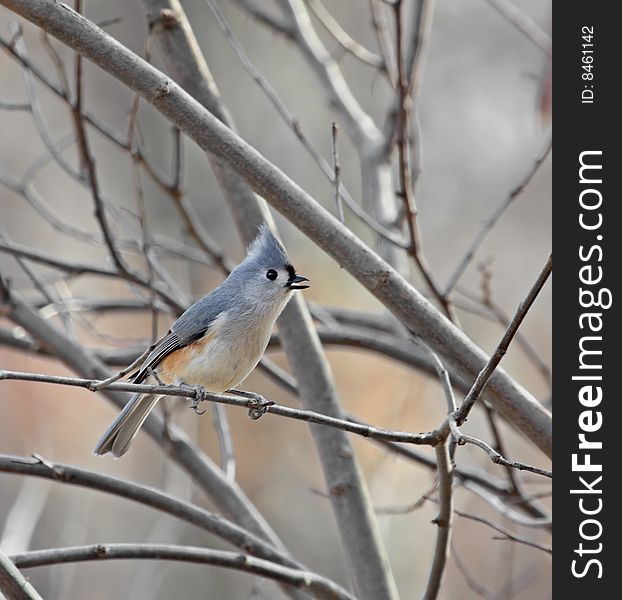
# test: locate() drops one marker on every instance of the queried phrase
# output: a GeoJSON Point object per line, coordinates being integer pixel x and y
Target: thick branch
{"type": "Point", "coordinates": [13, 584]}
{"type": "Point", "coordinates": [148, 496]}
{"type": "Point", "coordinates": [321, 587]}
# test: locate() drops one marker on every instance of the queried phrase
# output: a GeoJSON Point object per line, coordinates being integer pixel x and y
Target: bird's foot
{"type": "Point", "coordinates": [199, 398]}
{"type": "Point", "coordinates": [257, 405]}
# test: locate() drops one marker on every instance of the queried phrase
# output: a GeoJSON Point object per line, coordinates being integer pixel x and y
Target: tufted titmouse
{"type": "Point", "coordinates": [219, 340]}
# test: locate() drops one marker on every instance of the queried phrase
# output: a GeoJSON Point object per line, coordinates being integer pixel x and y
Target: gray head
{"type": "Point", "coordinates": [267, 274]}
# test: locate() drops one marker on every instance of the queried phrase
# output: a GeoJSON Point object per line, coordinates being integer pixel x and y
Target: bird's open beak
{"type": "Point", "coordinates": [294, 283]}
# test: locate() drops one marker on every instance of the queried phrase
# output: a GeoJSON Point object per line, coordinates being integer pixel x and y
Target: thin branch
{"type": "Point", "coordinates": [88, 164]}
{"type": "Point", "coordinates": [499, 447]}
{"type": "Point", "coordinates": [337, 169]}
{"type": "Point", "coordinates": [506, 532]}
{"type": "Point", "coordinates": [383, 37]}
{"type": "Point", "coordinates": [58, 63]}
{"type": "Point", "coordinates": [69, 267]}
{"type": "Point", "coordinates": [18, 47]}
{"type": "Point", "coordinates": [496, 314]}
{"type": "Point", "coordinates": [504, 320]}
{"type": "Point", "coordinates": [360, 125]}
{"type": "Point", "coordinates": [272, 23]}
{"type": "Point", "coordinates": [411, 54]}
{"type": "Point", "coordinates": [405, 86]}
{"type": "Point", "coordinates": [28, 191]}
{"type": "Point", "coordinates": [256, 405]}
{"type": "Point", "coordinates": [148, 496]}
{"type": "Point", "coordinates": [505, 509]}
{"type": "Point", "coordinates": [486, 373]}
{"type": "Point", "coordinates": [472, 582]}
{"type": "Point", "coordinates": [443, 521]}
{"type": "Point", "coordinates": [90, 118]}
{"type": "Point", "coordinates": [462, 439]}
{"type": "Point", "coordinates": [75, 268]}
{"type": "Point", "coordinates": [145, 243]}
{"type": "Point", "coordinates": [376, 170]}
{"type": "Point", "coordinates": [321, 587]}
{"type": "Point", "coordinates": [16, 106]}
{"type": "Point", "coordinates": [343, 38]}
{"type": "Point", "coordinates": [492, 220]}
{"type": "Point", "coordinates": [523, 23]}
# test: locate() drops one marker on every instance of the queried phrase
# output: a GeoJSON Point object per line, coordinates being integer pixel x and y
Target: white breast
{"type": "Point", "coordinates": [229, 356]}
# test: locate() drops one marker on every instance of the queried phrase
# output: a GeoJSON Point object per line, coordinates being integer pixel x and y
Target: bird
{"type": "Point", "coordinates": [219, 340]}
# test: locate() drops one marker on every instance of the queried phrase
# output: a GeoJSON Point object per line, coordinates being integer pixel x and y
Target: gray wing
{"type": "Point", "coordinates": [191, 326]}
{"type": "Point", "coordinates": [169, 343]}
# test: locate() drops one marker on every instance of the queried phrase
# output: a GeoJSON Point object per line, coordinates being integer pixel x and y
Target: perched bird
{"type": "Point", "coordinates": [219, 340]}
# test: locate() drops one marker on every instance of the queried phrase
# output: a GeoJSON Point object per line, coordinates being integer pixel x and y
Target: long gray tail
{"type": "Point", "coordinates": [121, 433]}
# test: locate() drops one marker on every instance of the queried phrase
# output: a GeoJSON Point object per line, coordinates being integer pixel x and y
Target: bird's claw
{"type": "Point", "coordinates": [257, 405]}
{"type": "Point", "coordinates": [199, 398]}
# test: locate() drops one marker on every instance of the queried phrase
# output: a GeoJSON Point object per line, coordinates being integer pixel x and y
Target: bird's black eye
{"type": "Point", "coordinates": [272, 274]}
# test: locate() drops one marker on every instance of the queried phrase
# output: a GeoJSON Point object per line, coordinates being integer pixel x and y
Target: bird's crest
{"type": "Point", "coordinates": [267, 249]}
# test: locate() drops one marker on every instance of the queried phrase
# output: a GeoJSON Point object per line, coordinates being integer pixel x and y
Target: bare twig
{"type": "Point", "coordinates": [255, 404]}
{"type": "Point", "coordinates": [16, 106]}
{"type": "Point", "coordinates": [506, 532]}
{"type": "Point", "coordinates": [492, 220]}
{"type": "Point", "coordinates": [58, 62]}
{"type": "Point", "coordinates": [523, 23]}
{"type": "Point", "coordinates": [376, 170]}
{"type": "Point", "coordinates": [258, 406]}
{"type": "Point", "coordinates": [360, 125]}
{"type": "Point", "coordinates": [379, 24]}
{"type": "Point", "coordinates": [496, 458]}
{"type": "Point", "coordinates": [405, 86]}
{"type": "Point", "coordinates": [504, 320]}
{"type": "Point", "coordinates": [506, 509]}
{"type": "Point", "coordinates": [485, 374]}
{"type": "Point", "coordinates": [280, 27]}
{"type": "Point", "coordinates": [148, 496]}
{"type": "Point", "coordinates": [321, 587]}
{"type": "Point", "coordinates": [472, 582]}
{"type": "Point", "coordinates": [443, 522]}
{"type": "Point", "coordinates": [337, 168]}
{"type": "Point", "coordinates": [494, 313]}
{"type": "Point", "coordinates": [90, 118]}
{"type": "Point", "coordinates": [75, 268]}
{"type": "Point", "coordinates": [88, 164]}
{"type": "Point", "coordinates": [343, 38]}
{"type": "Point", "coordinates": [140, 199]}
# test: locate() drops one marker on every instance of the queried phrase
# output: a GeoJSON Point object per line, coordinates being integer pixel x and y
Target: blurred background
{"type": "Point", "coordinates": [483, 123]}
